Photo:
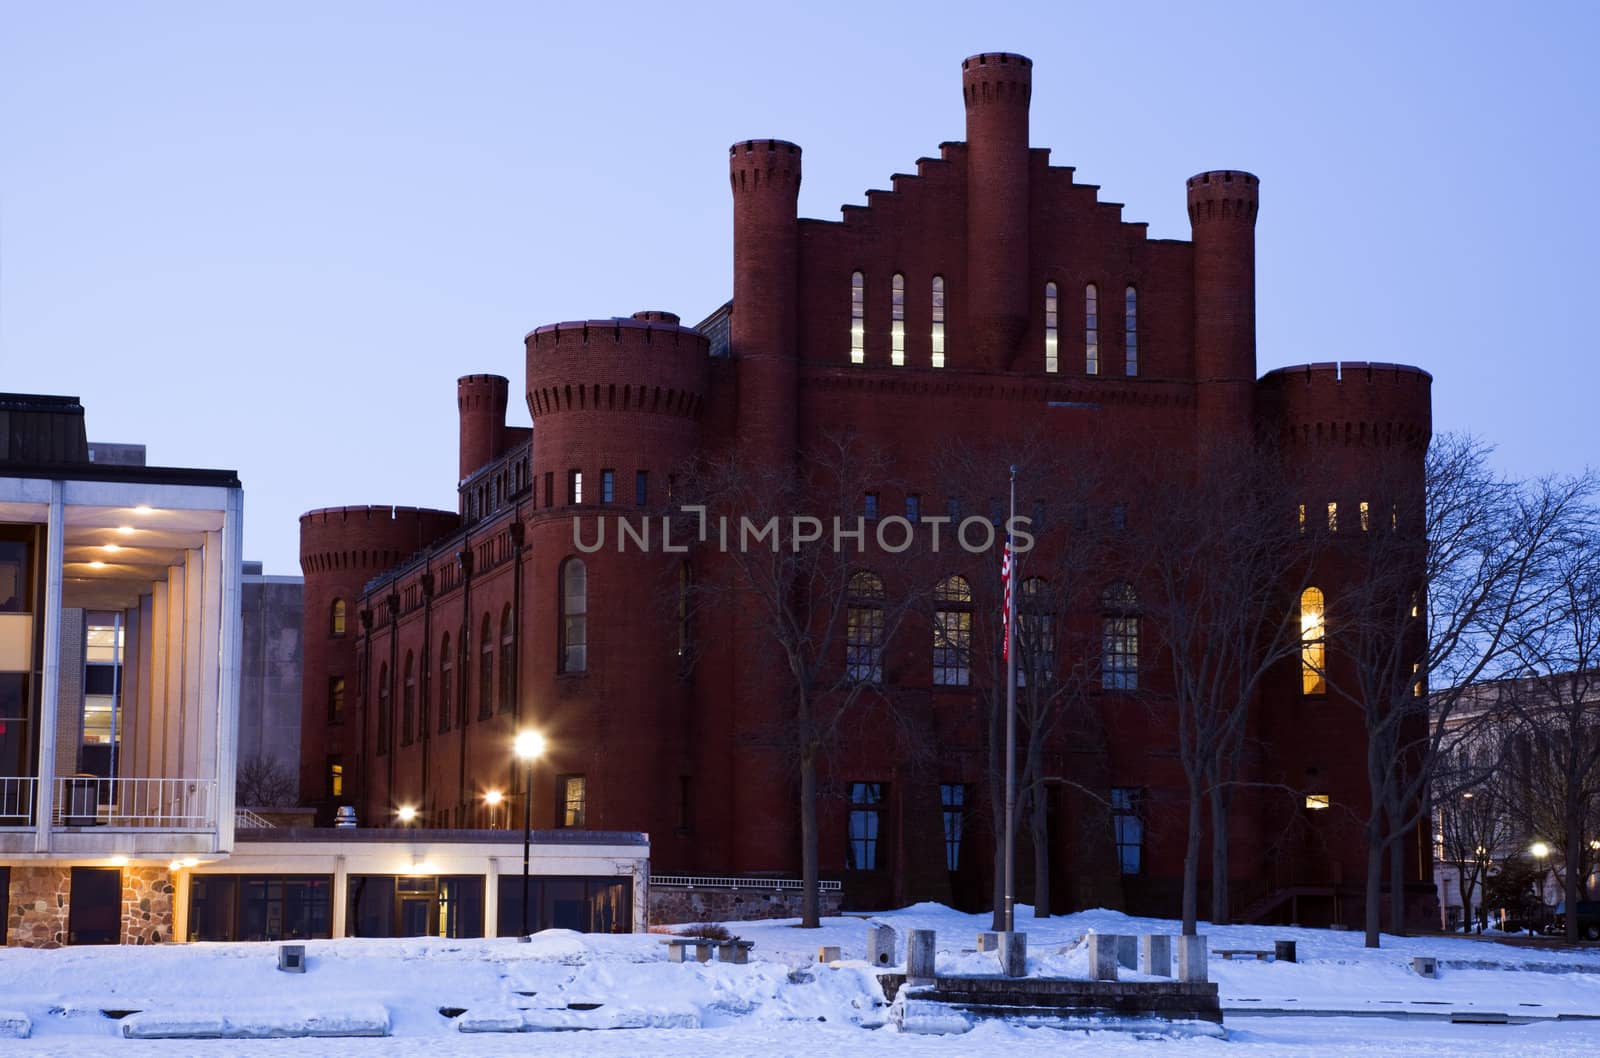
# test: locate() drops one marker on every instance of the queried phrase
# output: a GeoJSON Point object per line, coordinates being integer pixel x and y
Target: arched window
{"type": "Point", "coordinates": [952, 632]}
{"type": "Point", "coordinates": [408, 702]}
{"type": "Point", "coordinates": [863, 650]}
{"type": "Point", "coordinates": [1130, 329]}
{"type": "Point", "coordinates": [463, 673]}
{"type": "Point", "coordinates": [1119, 638]}
{"type": "Point", "coordinates": [574, 627]}
{"type": "Point", "coordinates": [485, 669]}
{"type": "Point", "coordinates": [336, 618]}
{"type": "Point", "coordinates": [1036, 632]}
{"type": "Point", "coordinates": [1313, 643]}
{"type": "Point", "coordinates": [858, 318]}
{"type": "Point", "coordinates": [938, 321]}
{"type": "Point", "coordinates": [897, 320]}
{"type": "Point", "coordinates": [1051, 328]}
{"type": "Point", "coordinates": [508, 667]}
{"type": "Point", "coordinates": [1091, 329]}
{"type": "Point", "coordinates": [425, 695]}
{"type": "Point", "coordinates": [385, 718]}
{"type": "Point", "coordinates": [447, 670]}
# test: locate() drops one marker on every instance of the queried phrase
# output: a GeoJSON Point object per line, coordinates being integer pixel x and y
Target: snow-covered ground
{"type": "Point", "coordinates": [782, 1003]}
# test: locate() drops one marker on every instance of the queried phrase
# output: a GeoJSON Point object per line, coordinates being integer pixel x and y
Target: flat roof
{"type": "Point", "coordinates": [361, 835]}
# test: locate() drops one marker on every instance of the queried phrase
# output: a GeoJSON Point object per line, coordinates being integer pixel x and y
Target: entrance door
{"type": "Point", "coordinates": [419, 916]}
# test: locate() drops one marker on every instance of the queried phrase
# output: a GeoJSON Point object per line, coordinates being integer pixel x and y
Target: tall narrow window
{"type": "Point", "coordinates": [952, 632]}
{"type": "Point", "coordinates": [641, 487]}
{"type": "Point", "coordinates": [1051, 329]}
{"type": "Point", "coordinates": [574, 486]}
{"type": "Point", "coordinates": [1130, 330]}
{"type": "Point", "coordinates": [1302, 519]}
{"type": "Point", "coordinates": [870, 506]}
{"type": "Point", "coordinates": [1119, 638]}
{"type": "Point", "coordinates": [1127, 827]}
{"type": "Point", "coordinates": [1091, 329]}
{"type": "Point", "coordinates": [913, 508]}
{"type": "Point", "coordinates": [863, 651]}
{"type": "Point", "coordinates": [549, 488]}
{"type": "Point", "coordinates": [938, 321]}
{"type": "Point", "coordinates": [1333, 517]}
{"type": "Point", "coordinates": [866, 810]}
{"type": "Point", "coordinates": [1313, 643]}
{"type": "Point", "coordinates": [385, 717]}
{"type": "Point", "coordinates": [897, 320]}
{"type": "Point", "coordinates": [858, 318]}
{"type": "Point", "coordinates": [464, 671]}
{"type": "Point", "coordinates": [574, 627]}
{"type": "Point", "coordinates": [1366, 516]}
{"type": "Point", "coordinates": [408, 702]}
{"type": "Point", "coordinates": [1036, 628]}
{"type": "Point", "coordinates": [336, 699]}
{"type": "Point", "coordinates": [608, 486]}
{"type": "Point", "coordinates": [336, 618]}
{"type": "Point", "coordinates": [485, 669]}
{"type": "Point", "coordinates": [446, 684]}
{"type": "Point", "coordinates": [953, 800]}
{"type": "Point", "coordinates": [508, 668]}
{"type": "Point", "coordinates": [572, 800]}
{"type": "Point", "coordinates": [424, 695]}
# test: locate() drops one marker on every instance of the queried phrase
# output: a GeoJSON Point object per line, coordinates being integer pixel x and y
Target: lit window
{"type": "Point", "coordinates": [574, 616]}
{"type": "Point", "coordinates": [858, 318]}
{"type": "Point", "coordinates": [574, 486]}
{"type": "Point", "coordinates": [1318, 801]}
{"type": "Point", "coordinates": [866, 800]}
{"type": "Point", "coordinates": [1366, 516]}
{"type": "Point", "coordinates": [572, 800]}
{"type": "Point", "coordinates": [1130, 329]}
{"type": "Point", "coordinates": [1313, 643]}
{"type": "Point", "coordinates": [1127, 827]}
{"type": "Point", "coordinates": [938, 321]}
{"type": "Point", "coordinates": [953, 800]}
{"type": "Point", "coordinates": [1333, 517]}
{"type": "Point", "coordinates": [952, 632]}
{"type": "Point", "coordinates": [1091, 329]}
{"type": "Point", "coordinates": [1050, 328]}
{"type": "Point", "coordinates": [335, 778]}
{"type": "Point", "coordinates": [608, 486]}
{"type": "Point", "coordinates": [863, 651]}
{"type": "Point", "coordinates": [1119, 638]}
{"type": "Point", "coordinates": [1302, 518]}
{"type": "Point", "coordinates": [336, 700]}
{"type": "Point", "coordinates": [897, 320]}
{"type": "Point", "coordinates": [336, 618]}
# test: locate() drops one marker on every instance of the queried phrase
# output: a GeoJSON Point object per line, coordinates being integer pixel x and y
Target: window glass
{"type": "Point", "coordinates": [1051, 328]}
{"type": "Point", "coordinates": [952, 633]}
{"type": "Point", "coordinates": [953, 800]}
{"type": "Point", "coordinates": [938, 321]}
{"type": "Point", "coordinates": [1119, 639]}
{"type": "Point", "coordinates": [574, 616]}
{"type": "Point", "coordinates": [1127, 825]}
{"type": "Point", "coordinates": [897, 320]}
{"type": "Point", "coordinates": [1130, 325]}
{"type": "Point", "coordinates": [94, 910]}
{"type": "Point", "coordinates": [1091, 329]}
{"type": "Point", "coordinates": [864, 628]}
{"type": "Point", "coordinates": [1313, 643]}
{"type": "Point", "coordinates": [866, 799]}
{"type": "Point", "coordinates": [571, 800]}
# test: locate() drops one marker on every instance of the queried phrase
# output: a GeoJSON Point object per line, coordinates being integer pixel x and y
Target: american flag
{"type": "Point", "coordinates": [1005, 602]}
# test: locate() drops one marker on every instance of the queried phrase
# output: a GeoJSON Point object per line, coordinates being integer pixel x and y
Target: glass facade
{"type": "Point", "coordinates": [386, 905]}
{"type": "Point", "coordinates": [585, 904]}
{"type": "Point", "coordinates": [260, 907]}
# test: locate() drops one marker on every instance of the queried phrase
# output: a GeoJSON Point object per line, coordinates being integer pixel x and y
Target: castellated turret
{"type": "Point", "coordinates": [1222, 218]}
{"type": "Point", "coordinates": [765, 178]}
{"type": "Point", "coordinates": [996, 88]}
{"type": "Point", "coordinates": [481, 401]}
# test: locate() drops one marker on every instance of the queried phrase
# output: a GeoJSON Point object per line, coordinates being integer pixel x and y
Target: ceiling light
{"type": "Point", "coordinates": [111, 547]}
{"type": "Point", "coordinates": [143, 508]}
{"type": "Point", "coordinates": [125, 530]}
{"type": "Point", "coordinates": [97, 564]}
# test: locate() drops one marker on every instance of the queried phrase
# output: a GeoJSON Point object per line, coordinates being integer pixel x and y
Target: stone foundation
{"type": "Point", "coordinates": [41, 899]}
{"type": "Point", "coordinates": [702, 904]}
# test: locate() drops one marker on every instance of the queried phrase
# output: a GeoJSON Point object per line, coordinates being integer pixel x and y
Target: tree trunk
{"type": "Point", "coordinates": [1039, 824]}
{"type": "Point", "coordinates": [1219, 855]}
{"type": "Point", "coordinates": [1191, 865]}
{"type": "Point", "coordinates": [810, 912]}
{"type": "Point", "coordinates": [1464, 887]}
{"type": "Point", "coordinates": [1374, 878]}
{"type": "Point", "coordinates": [1574, 861]}
{"type": "Point", "coordinates": [1397, 875]}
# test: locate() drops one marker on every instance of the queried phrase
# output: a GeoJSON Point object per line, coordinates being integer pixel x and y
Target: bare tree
{"type": "Point", "coordinates": [1436, 598]}
{"type": "Point", "coordinates": [264, 782]}
{"type": "Point", "coordinates": [1474, 822]}
{"type": "Point", "coordinates": [1221, 568]}
{"type": "Point", "coordinates": [824, 612]}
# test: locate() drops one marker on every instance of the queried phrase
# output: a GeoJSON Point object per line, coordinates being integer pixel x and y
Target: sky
{"type": "Point", "coordinates": [270, 236]}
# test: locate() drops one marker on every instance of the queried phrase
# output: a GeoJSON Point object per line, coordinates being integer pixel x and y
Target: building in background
{"type": "Point", "coordinates": [269, 690]}
{"type": "Point", "coordinates": [969, 300]}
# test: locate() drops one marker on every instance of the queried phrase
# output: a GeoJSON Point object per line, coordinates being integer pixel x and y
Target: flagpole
{"type": "Point", "coordinates": [1011, 716]}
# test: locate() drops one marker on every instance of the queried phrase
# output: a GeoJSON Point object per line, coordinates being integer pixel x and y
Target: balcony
{"type": "Point", "coordinates": [17, 798]}
{"type": "Point", "coordinates": [135, 804]}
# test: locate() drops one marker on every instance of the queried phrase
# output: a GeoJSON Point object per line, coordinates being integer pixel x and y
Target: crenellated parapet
{"type": "Point", "coordinates": [368, 540]}
{"type": "Point", "coordinates": [481, 403]}
{"type": "Point", "coordinates": [1349, 404]}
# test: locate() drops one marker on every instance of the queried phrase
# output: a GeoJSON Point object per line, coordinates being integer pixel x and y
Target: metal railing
{"type": "Point", "coordinates": [155, 804]}
{"type": "Point", "coordinates": [17, 798]}
{"type": "Point", "coordinates": [244, 819]}
{"type": "Point", "coordinates": [698, 881]}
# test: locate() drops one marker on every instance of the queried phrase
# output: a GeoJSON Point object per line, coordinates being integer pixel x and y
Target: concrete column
{"type": "Point", "coordinates": [230, 625]}
{"type": "Point", "coordinates": [1103, 956]}
{"type": "Point", "coordinates": [194, 666]}
{"type": "Point", "coordinates": [1128, 951]}
{"type": "Point", "coordinates": [155, 753]}
{"type": "Point", "coordinates": [341, 895]}
{"type": "Point", "coordinates": [1191, 958]}
{"type": "Point", "coordinates": [50, 678]}
{"type": "Point", "coordinates": [128, 688]}
{"type": "Point", "coordinates": [180, 905]}
{"type": "Point", "coordinates": [491, 899]}
{"type": "Point", "coordinates": [881, 945]}
{"type": "Point", "coordinates": [921, 956]}
{"type": "Point", "coordinates": [1155, 955]}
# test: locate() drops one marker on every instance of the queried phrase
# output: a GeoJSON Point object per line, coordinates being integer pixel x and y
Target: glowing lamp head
{"type": "Point", "coordinates": [407, 814]}
{"type": "Point", "coordinates": [1539, 849]}
{"type": "Point", "coordinates": [529, 745]}
{"type": "Point", "coordinates": [492, 798]}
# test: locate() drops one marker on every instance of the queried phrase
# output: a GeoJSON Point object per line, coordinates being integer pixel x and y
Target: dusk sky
{"type": "Point", "coordinates": [270, 237]}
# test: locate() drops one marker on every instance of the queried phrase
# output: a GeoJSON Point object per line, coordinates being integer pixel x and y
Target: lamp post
{"type": "Point", "coordinates": [528, 747]}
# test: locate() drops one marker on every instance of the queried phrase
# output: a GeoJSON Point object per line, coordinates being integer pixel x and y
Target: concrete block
{"type": "Point", "coordinates": [1192, 959]}
{"type": "Point", "coordinates": [988, 942]}
{"type": "Point", "coordinates": [920, 955]}
{"type": "Point", "coordinates": [1155, 955]}
{"type": "Point", "coordinates": [292, 958]}
{"type": "Point", "coordinates": [882, 945]}
{"type": "Point", "coordinates": [1014, 954]}
{"type": "Point", "coordinates": [828, 953]}
{"type": "Point", "coordinates": [1128, 951]}
{"type": "Point", "coordinates": [1283, 950]}
{"type": "Point", "coordinates": [1425, 966]}
{"type": "Point", "coordinates": [1103, 956]}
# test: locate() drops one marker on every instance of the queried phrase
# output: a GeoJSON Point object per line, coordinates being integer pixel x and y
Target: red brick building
{"type": "Point", "coordinates": [959, 303]}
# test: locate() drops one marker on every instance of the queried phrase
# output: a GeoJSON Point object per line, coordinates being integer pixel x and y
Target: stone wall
{"type": "Point", "coordinates": [674, 904]}
{"type": "Point", "coordinates": [41, 898]}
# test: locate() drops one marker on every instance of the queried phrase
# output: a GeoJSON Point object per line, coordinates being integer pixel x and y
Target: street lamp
{"type": "Point", "coordinates": [528, 747]}
{"type": "Point", "coordinates": [492, 799]}
{"type": "Point", "coordinates": [407, 815]}
{"type": "Point", "coordinates": [1540, 850]}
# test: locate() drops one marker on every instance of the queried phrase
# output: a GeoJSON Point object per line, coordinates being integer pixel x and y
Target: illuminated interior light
{"type": "Point", "coordinates": [125, 530]}
{"type": "Point", "coordinates": [111, 547]}
{"type": "Point", "coordinates": [97, 564]}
